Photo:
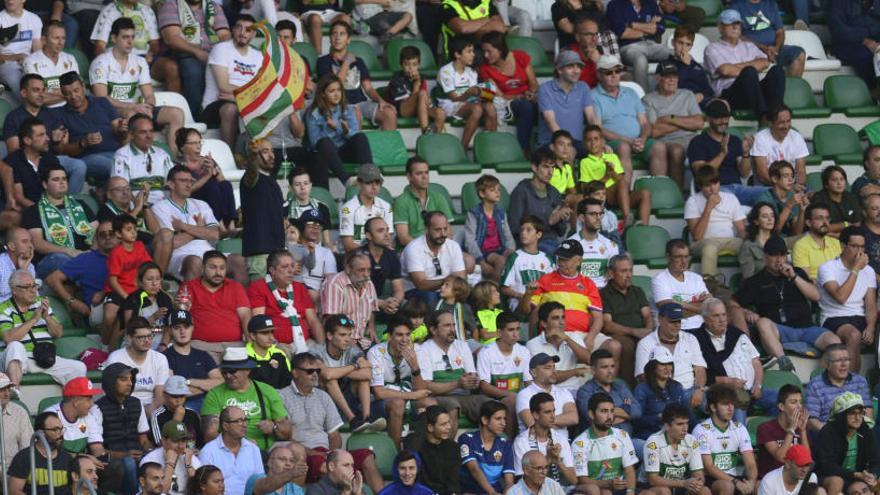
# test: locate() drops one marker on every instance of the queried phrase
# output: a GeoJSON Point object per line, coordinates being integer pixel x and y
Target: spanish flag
{"type": "Point", "coordinates": [276, 90]}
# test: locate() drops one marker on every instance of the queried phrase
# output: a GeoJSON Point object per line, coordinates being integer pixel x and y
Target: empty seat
{"type": "Point", "coordinates": [308, 52]}
{"type": "Point", "coordinates": [814, 181]}
{"type": "Point", "coordinates": [231, 245]}
{"type": "Point", "coordinates": [799, 97]}
{"type": "Point", "coordinates": [540, 62]}
{"type": "Point", "coordinates": [427, 63]}
{"type": "Point", "coordinates": [172, 99]}
{"type": "Point", "coordinates": [440, 188]}
{"type": "Point", "coordinates": [812, 45]}
{"type": "Point", "coordinates": [389, 151]}
{"type": "Point", "coordinates": [382, 447]}
{"type": "Point", "coordinates": [635, 87]}
{"type": "Point", "coordinates": [711, 7]}
{"type": "Point", "coordinates": [666, 199]}
{"type": "Point", "coordinates": [850, 95]}
{"type": "Point", "coordinates": [366, 52]}
{"type": "Point", "coordinates": [838, 142]}
{"type": "Point", "coordinates": [647, 245]}
{"type": "Point", "coordinates": [445, 154]}
{"type": "Point", "coordinates": [72, 347]}
{"type": "Point", "coordinates": [82, 63]}
{"type": "Point", "coordinates": [501, 151]}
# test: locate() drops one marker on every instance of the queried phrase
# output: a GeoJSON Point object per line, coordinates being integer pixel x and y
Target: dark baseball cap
{"type": "Point", "coordinates": [671, 311]}
{"type": "Point", "coordinates": [181, 317]}
{"type": "Point", "coordinates": [717, 108]}
{"type": "Point", "coordinates": [775, 246]}
{"type": "Point", "coordinates": [570, 248]}
{"type": "Point", "coordinates": [260, 323]}
{"type": "Point", "coordinates": [666, 68]}
{"type": "Point", "coordinates": [311, 215]}
{"type": "Point", "coordinates": [542, 358]}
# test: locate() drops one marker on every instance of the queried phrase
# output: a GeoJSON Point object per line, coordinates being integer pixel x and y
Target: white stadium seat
{"type": "Point", "coordinates": [816, 57]}
{"type": "Point", "coordinates": [172, 99]}
{"type": "Point", "coordinates": [221, 154]}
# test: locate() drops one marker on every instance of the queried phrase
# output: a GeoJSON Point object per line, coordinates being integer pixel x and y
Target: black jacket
{"type": "Point", "coordinates": [120, 419]}
{"type": "Point", "coordinates": [829, 458]}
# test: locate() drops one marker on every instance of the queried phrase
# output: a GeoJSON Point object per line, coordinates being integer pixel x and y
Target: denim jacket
{"type": "Point", "coordinates": [475, 230]}
{"type": "Point", "coordinates": [317, 128]}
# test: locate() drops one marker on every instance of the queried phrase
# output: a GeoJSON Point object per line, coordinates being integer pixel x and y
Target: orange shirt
{"type": "Point", "coordinates": [578, 294]}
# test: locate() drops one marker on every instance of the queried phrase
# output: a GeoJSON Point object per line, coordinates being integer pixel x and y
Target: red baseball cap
{"type": "Point", "coordinates": [79, 387]}
{"type": "Point", "coordinates": [799, 454]}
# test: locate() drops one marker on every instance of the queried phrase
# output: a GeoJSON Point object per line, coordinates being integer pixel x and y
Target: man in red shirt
{"type": "Point", "coordinates": [287, 302]}
{"type": "Point", "coordinates": [219, 307]}
{"type": "Point", "coordinates": [586, 32]}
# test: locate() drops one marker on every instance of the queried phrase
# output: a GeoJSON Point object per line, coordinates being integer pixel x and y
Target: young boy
{"type": "Point", "coordinates": [462, 91]}
{"type": "Point", "coordinates": [605, 166]}
{"type": "Point", "coordinates": [789, 205]}
{"type": "Point", "coordinates": [273, 366]}
{"type": "Point", "coordinates": [714, 219]}
{"type": "Point", "coordinates": [487, 235]}
{"type": "Point", "coordinates": [299, 200]}
{"type": "Point", "coordinates": [409, 93]}
{"type": "Point", "coordinates": [122, 268]}
{"type": "Point", "coordinates": [562, 146]}
{"type": "Point", "coordinates": [526, 264]}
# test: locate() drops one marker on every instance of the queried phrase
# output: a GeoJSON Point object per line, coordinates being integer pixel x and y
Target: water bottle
{"type": "Point", "coordinates": [183, 301]}
{"type": "Point", "coordinates": [284, 169]}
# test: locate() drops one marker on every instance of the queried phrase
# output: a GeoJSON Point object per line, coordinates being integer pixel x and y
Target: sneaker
{"type": "Point", "coordinates": [379, 424]}
{"type": "Point", "coordinates": [357, 425]}
{"type": "Point", "coordinates": [800, 25]}
{"type": "Point", "coordinates": [385, 38]}
{"type": "Point", "coordinates": [785, 363]}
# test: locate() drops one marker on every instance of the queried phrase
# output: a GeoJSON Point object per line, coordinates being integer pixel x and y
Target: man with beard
{"type": "Point", "coordinates": [598, 249]}
{"type": "Point", "coordinates": [543, 436]}
{"type": "Point", "coordinates": [20, 474]}
{"type": "Point", "coordinates": [262, 210]}
{"type": "Point", "coordinates": [28, 159]}
{"type": "Point", "coordinates": [871, 229]}
{"type": "Point", "coordinates": [83, 475]}
{"type": "Point", "coordinates": [429, 259]}
{"type": "Point", "coordinates": [565, 103]}
{"type": "Point", "coordinates": [604, 456]}
{"type": "Point", "coordinates": [866, 184]}
{"type": "Point", "coordinates": [384, 265]}
{"type": "Point", "coordinates": [351, 293]}
{"type": "Point", "coordinates": [817, 247]}
{"type": "Point", "coordinates": [725, 446]}
{"type": "Point", "coordinates": [790, 477]}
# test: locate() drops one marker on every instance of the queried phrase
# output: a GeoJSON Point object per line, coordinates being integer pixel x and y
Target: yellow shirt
{"type": "Point", "coordinates": [563, 178]}
{"type": "Point", "coordinates": [806, 254]}
{"type": "Point", "coordinates": [593, 168]}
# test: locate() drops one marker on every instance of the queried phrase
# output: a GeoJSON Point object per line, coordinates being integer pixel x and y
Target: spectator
{"type": "Point", "coordinates": [408, 91]}
{"type": "Point", "coordinates": [734, 63]}
{"type": "Point", "coordinates": [487, 470]}
{"type": "Point", "coordinates": [674, 114]}
{"type": "Point", "coordinates": [25, 41]}
{"type": "Point", "coordinates": [564, 102]}
{"type": "Point", "coordinates": [22, 472]}
{"type": "Point", "coordinates": [656, 393]}
{"type": "Point", "coordinates": [327, 12]}
{"type": "Point", "coordinates": [562, 146]}
{"type": "Point", "coordinates": [209, 481]}
{"type": "Point", "coordinates": [543, 370]}
{"type": "Point", "coordinates": [512, 73]}
{"type": "Point", "coordinates": [442, 474]}
{"type": "Point", "coordinates": [18, 255]}
{"type": "Point", "coordinates": [527, 264]}
{"type": "Point", "coordinates": [364, 205]}
{"type": "Point", "coordinates": [837, 379]}
{"type": "Point", "coordinates": [300, 200]}
{"type": "Point", "coordinates": [189, 30]}
{"type": "Point", "coordinates": [462, 94]}
{"type": "Point", "coordinates": [137, 161]}
{"type": "Point", "coordinates": [316, 422]}
{"type": "Point", "coordinates": [545, 437]}
{"type": "Point", "coordinates": [567, 15]}
{"type": "Point", "coordinates": [626, 312]}
{"type": "Point", "coordinates": [146, 38]}
{"type": "Point", "coordinates": [151, 478]}
{"type": "Point", "coordinates": [590, 43]}
{"type": "Point", "coordinates": [123, 265]}
{"type": "Point", "coordinates": [232, 63]}
{"type": "Point", "coordinates": [219, 307]}
{"type": "Point", "coordinates": [94, 129]}
{"type": "Point", "coordinates": [762, 25]}
{"type": "Point", "coordinates": [814, 249]}
{"type": "Point", "coordinates": [26, 162]}
{"type": "Point", "coordinates": [83, 475]}
{"type": "Point", "coordinates": [404, 475]}
{"type": "Point", "coordinates": [195, 365]}
{"type": "Point", "coordinates": [334, 129]}
{"type": "Point", "coordinates": [273, 366]}
{"type": "Point", "coordinates": [855, 32]}
{"type": "Point", "coordinates": [626, 408]}
{"type": "Point", "coordinates": [777, 436]}
{"type": "Point", "coordinates": [174, 410]}
{"type": "Point", "coordinates": [678, 285]}
{"type": "Point", "coordinates": [553, 340]}
{"type": "Point", "coordinates": [176, 456]}
{"type": "Point", "coordinates": [310, 225]}
{"type": "Point", "coordinates": [535, 476]}
{"type": "Point", "coordinates": [779, 142]}
{"type": "Point", "coordinates": [355, 77]}
{"type": "Point", "coordinates": [787, 199]}
{"type": "Point", "coordinates": [760, 227]}
{"type": "Point", "coordinates": [285, 472]}
{"type": "Point", "coordinates": [691, 372]}
{"type": "Point", "coordinates": [266, 418]}
{"type": "Point", "coordinates": [384, 266]}
{"type": "Point", "coordinates": [797, 468]}
{"type": "Point", "coordinates": [416, 199]}
{"type": "Point", "coordinates": [672, 459]}
{"type": "Point", "coordinates": [397, 382]}
{"type": "Point", "coordinates": [237, 457]}
{"type": "Point", "coordinates": [487, 232]}
{"type": "Point", "coordinates": [536, 197]}
{"type": "Point", "coordinates": [51, 61]}
{"type": "Point", "coordinates": [638, 25]}
{"type": "Point", "coordinates": [714, 220]}
{"type": "Point", "coordinates": [603, 445]}
{"type": "Point", "coordinates": [597, 248]}
{"type": "Point", "coordinates": [691, 74]}
{"type": "Point", "coordinates": [678, 12]}
{"type": "Point", "coordinates": [502, 367]}
{"type": "Point", "coordinates": [858, 487]}
{"type": "Point", "coordinates": [342, 476]}
{"type": "Point", "coordinates": [85, 12]}
{"type": "Point", "coordinates": [262, 207]}
{"type": "Point", "coordinates": [725, 446]}
{"type": "Point", "coordinates": [843, 205]}
{"type": "Point", "coordinates": [835, 461]}
{"type": "Point", "coordinates": [848, 295]}
{"type": "Point", "coordinates": [869, 182]}
{"type": "Point", "coordinates": [429, 259]}
{"type": "Point", "coordinates": [152, 366]}
{"type": "Point", "coordinates": [120, 200]}
{"type": "Point", "coordinates": [17, 427]}
{"type": "Point", "coordinates": [468, 19]}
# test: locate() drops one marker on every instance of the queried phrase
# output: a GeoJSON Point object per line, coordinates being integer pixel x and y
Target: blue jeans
{"type": "Point", "coordinates": [50, 263]}
{"type": "Point", "coordinates": [76, 172]}
{"type": "Point", "coordinates": [130, 484]}
{"type": "Point", "coordinates": [549, 246]}
{"type": "Point", "coordinates": [526, 113]}
{"type": "Point", "coordinates": [192, 75]}
{"type": "Point", "coordinates": [99, 165]}
{"type": "Point", "coordinates": [430, 297]}
{"type": "Point", "coordinates": [801, 9]}
{"type": "Point", "coordinates": [747, 195]}
{"type": "Point", "coordinates": [767, 402]}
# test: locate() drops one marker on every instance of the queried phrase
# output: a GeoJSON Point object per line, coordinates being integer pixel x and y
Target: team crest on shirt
{"type": "Point", "coordinates": [464, 450]}
{"type": "Point", "coordinates": [601, 249]}
{"type": "Point", "coordinates": [458, 360]}
{"type": "Point", "coordinates": [82, 427]}
{"type": "Point", "coordinates": [724, 444]}
{"type": "Point", "coordinates": [346, 211]}
{"type": "Point", "coordinates": [99, 72]}
{"type": "Point", "coordinates": [498, 455]}
{"type": "Point", "coordinates": [273, 363]}
{"type": "Point", "coordinates": [517, 360]}
{"type": "Point", "coordinates": [696, 444]}
{"type": "Point", "coordinates": [580, 286]}
{"type": "Point", "coordinates": [66, 65]}
{"type": "Point", "coordinates": [132, 71]}
{"type": "Point", "coordinates": [613, 446]}
{"type": "Point", "coordinates": [580, 443]}
{"type": "Point", "coordinates": [652, 445]}
{"type": "Point", "coordinates": [652, 458]}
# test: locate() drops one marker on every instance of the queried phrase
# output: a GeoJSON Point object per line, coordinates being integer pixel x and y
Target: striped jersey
{"type": "Point", "coordinates": [524, 268]}
{"type": "Point", "coordinates": [603, 458]}
{"type": "Point", "coordinates": [725, 446]}
{"type": "Point", "coordinates": [577, 294]}
{"type": "Point", "coordinates": [672, 462]}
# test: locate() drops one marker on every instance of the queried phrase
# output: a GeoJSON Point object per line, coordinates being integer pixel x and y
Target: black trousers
{"type": "Point", "coordinates": [428, 16]}
{"type": "Point", "coordinates": [329, 158]}
{"type": "Point", "coordinates": [748, 92]}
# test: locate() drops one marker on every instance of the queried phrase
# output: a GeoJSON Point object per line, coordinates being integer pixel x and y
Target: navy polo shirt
{"type": "Point", "coordinates": [23, 172]}
{"type": "Point", "coordinates": [48, 116]}
{"type": "Point", "coordinates": [621, 13]}
{"type": "Point", "coordinates": [386, 269]}
{"type": "Point", "coordinates": [704, 148]}
{"type": "Point", "coordinates": [694, 78]}
{"type": "Point", "coordinates": [98, 117]}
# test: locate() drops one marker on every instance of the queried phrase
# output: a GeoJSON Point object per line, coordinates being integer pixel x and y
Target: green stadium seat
{"type": "Point", "coordinates": [647, 245]}
{"type": "Point", "coordinates": [5, 108]}
{"type": "Point", "coordinates": [427, 63]}
{"type": "Point", "coordinates": [82, 62]}
{"type": "Point", "coordinates": [814, 181]}
{"type": "Point", "coordinates": [643, 282]}
{"type": "Point", "coordinates": [60, 312]}
{"type": "Point", "coordinates": [666, 199]}
{"type": "Point", "coordinates": [752, 425]}
{"type": "Point", "coordinates": [366, 52]}
{"type": "Point", "coordinates": [741, 114]}
{"type": "Point", "coordinates": [325, 197]}
{"type": "Point", "coordinates": [72, 347]}
{"type": "Point", "coordinates": [445, 154]}
{"type": "Point", "coordinates": [351, 190]}
{"type": "Point", "coordinates": [48, 402]}
{"type": "Point", "coordinates": [380, 444]}
{"type": "Point", "coordinates": [440, 188]}
{"type": "Point", "coordinates": [838, 142]}
{"type": "Point", "coordinates": [88, 200]}
{"type": "Point", "coordinates": [540, 62]}
{"type": "Point", "coordinates": [712, 9]}
{"type": "Point", "coordinates": [308, 52]}
{"type": "Point", "coordinates": [230, 245]}
{"type": "Point", "coordinates": [850, 95]}
{"type": "Point", "coordinates": [799, 97]}
{"type": "Point", "coordinates": [741, 131]}
{"type": "Point", "coordinates": [44, 379]}
{"type": "Point", "coordinates": [389, 151]}
{"type": "Point", "coordinates": [470, 198]}
{"type": "Point", "coordinates": [775, 379]}
{"type": "Point", "coordinates": [501, 151]}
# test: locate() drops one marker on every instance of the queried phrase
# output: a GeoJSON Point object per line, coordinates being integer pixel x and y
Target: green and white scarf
{"type": "Point", "coordinates": [288, 310]}
{"type": "Point", "coordinates": [60, 228]}
{"type": "Point", "coordinates": [190, 26]}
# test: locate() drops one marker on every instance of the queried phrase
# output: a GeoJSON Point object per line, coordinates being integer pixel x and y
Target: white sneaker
{"type": "Point", "coordinates": [800, 25]}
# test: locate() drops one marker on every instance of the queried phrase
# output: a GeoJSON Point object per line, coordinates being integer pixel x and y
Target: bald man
{"type": "Point", "coordinates": [341, 476]}
{"type": "Point", "coordinates": [286, 471]}
{"type": "Point", "coordinates": [18, 256]}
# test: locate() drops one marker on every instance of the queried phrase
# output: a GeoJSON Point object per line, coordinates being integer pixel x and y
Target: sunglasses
{"type": "Point", "coordinates": [447, 363]}
{"type": "Point", "coordinates": [310, 371]}
{"type": "Point", "coordinates": [396, 370]}
{"type": "Point", "coordinates": [612, 72]}
{"type": "Point", "coordinates": [437, 268]}
{"type": "Point", "coordinates": [228, 371]}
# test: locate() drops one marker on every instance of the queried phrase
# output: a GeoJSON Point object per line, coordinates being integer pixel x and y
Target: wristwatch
{"type": "Point", "coordinates": [356, 365]}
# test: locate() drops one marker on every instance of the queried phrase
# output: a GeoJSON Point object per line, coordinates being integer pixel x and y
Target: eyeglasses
{"type": "Point", "coordinates": [120, 189]}
{"type": "Point", "coordinates": [438, 270]}
{"type": "Point", "coordinates": [28, 287]}
{"type": "Point", "coordinates": [612, 72]}
{"type": "Point", "coordinates": [142, 337]}
{"type": "Point", "coordinates": [310, 371]}
{"type": "Point", "coordinates": [345, 321]}
{"type": "Point", "coordinates": [446, 362]}
{"type": "Point", "coordinates": [239, 421]}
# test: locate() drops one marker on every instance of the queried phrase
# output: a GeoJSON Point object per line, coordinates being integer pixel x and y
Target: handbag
{"type": "Point", "coordinates": [44, 353]}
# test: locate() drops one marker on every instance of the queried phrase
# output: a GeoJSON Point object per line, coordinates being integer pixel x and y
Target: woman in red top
{"type": "Point", "coordinates": [512, 73]}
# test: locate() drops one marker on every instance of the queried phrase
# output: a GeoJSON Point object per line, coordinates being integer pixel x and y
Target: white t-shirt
{"type": "Point", "coordinates": [354, 216]}
{"type": "Point", "coordinates": [123, 83]}
{"type": "Point", "coordinates": [509, 372]}
{"type": "Point", "coordinates": [418, 257]}
{"type": "Point", "coordinates": [158, 456]}
{"type": "Point", "coordinates": [39, 63]}
{"type": "Point", "coordinates": [240, 68]}
{"type": "Point", "coordinates": [561, 397]}
{"type": "Point", "coordinates": [672, 463]}
{"type": "Point", "coordinates": [325, 266]}
{"type": "Point", "coordinates": [596, 255]}
{"type": "Point", "coordinates": [603, 458]}
{"type": "Point", "coordinates": [792, 148]}
{"type": "Point", "coordinates": [525, 442]}
{"type": "Point", "coordinates": [524, 268]}
{"type": "Point", "coordinates": [726, 446]}
{"type": "Point", "coordinates": [567, 360]}
{"type": "Point", "coordinates": [739, 363]}
{"type": "Point", "coordinates": [834, 270]}
{"type": "Point", "coordinates": [154, 371]}
{"type": "Point", "coordinates": [666, 287]}
{"type": "Point", "coordinates": [451, 81]}
{"type": "Point", "coordinates": [81, 431]}
{"type": "Point", "coordinates": [29, 28]}
{"type": "Point", "coordinates": [146, 28]}
{"type": "Point", "coordinates": [166, 210]}
{"type": "Point", "coordinates": [382, 366]}
{"type": "Point", "coordinates": [445, 367]}
{"type": "Point", "coordinates": [686, 355]}
{"type": "Point", "coordinates": [772, 483]}
{"type": "Point", "coordinates": [722, 217]}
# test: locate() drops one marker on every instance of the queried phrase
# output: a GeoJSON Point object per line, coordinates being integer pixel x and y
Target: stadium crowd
{"type": "Point", "coordinates": [515, 355]}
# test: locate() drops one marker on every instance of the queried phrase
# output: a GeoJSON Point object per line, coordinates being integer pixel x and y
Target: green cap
{"type": "Point", "coordinates": [174, 430]}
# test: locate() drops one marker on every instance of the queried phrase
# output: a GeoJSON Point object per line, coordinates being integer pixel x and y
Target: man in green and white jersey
{"type": "Point", "coordinates": [364, 205]}
{"type": "Point", "coordinates": [526, 265]}
{"type": "Point", "coordinates": [124, 78]}
{"type": "Point", "coordinates": [142, 164]}
{"type": "Point", "coordinates": [503, 366]}
{"type": "Point", "coordinates": [598, 249]}
{"type": "Point", "coordinates": [50, 62]}
{"type": "Point", "coordinates": [725, 445]}
{"type": "Point", "coordinates": [604, 456]}
{"type": "Point", "coordinates": [672, 456]}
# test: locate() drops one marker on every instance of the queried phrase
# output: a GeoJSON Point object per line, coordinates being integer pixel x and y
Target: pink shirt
{"type": "Point", "coordinates": [721, 52]}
